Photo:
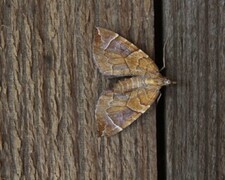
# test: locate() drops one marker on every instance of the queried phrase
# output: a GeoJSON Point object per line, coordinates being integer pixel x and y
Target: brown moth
{"type": "Point", "coordinates": [129, 98]}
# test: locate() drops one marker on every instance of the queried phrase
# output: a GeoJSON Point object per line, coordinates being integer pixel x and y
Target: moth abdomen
{"type": "Point", "coordinates": [129, 84]}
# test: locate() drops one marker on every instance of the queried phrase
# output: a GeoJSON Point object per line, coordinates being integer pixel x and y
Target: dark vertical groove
{"type": "Point", "coordinates": [206, 89]}
{"type": "Point", "coordinates": [217, 93]}
{"type": "Point", "coordinates": [136, 159]}
{"type": "Point", "coordinates": [80, 90]}
{"type": "Point", "coordinates": [35, 76]}
{"type": "Point", "coordinates": [220, 90]}
{"type": "Point", "coordinates": [48, 117]}
{"type": "Point", "coordinates": [24, 118]}
{"type": "Point", "coordinates": [74, 94]}
{"type": "Point", "coordinates": [96, 5]}
{"type": "Point", "coordinates": [175, 171]}
{"type": "Point", "coordinates": [160, 120]}
{"type": "Point", "coordinates": [48, 64]}
{"type": "Point", "coordinates": [199, 91]}
{"type": "Point", "coordinates": [10, 89]}
{"type": "Point", "coordinates": [121, 155]}
{"type": "Point", "coordinates": [100, 153]}
{"type": "Point", "coordinates": [63, 91]}
{"type": "Point", "coordinates": [101, 169]}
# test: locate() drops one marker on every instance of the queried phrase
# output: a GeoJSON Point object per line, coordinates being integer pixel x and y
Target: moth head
{"type": "Point", "coordinates": [167, 82]}
{"type": "Point", "coordinates": [159, 81]}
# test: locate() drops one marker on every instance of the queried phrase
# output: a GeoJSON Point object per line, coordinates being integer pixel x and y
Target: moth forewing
{"type": "Point", "coordinates": [129, 98]}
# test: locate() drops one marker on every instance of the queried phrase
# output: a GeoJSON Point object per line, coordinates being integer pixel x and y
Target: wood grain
{"type": "Point", "coordinates": [49, 87]}
{"type": "Point", "coordinates": [195, 116]}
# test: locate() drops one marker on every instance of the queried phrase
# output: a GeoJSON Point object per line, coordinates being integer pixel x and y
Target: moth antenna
{"type": "Point", "coordinates": [173, 82]}
{"type": "Point", "coordinates": [164, 54]}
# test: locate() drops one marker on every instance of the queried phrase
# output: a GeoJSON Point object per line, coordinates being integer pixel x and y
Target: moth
{"type": "Point", "coordinates": [132, 96]}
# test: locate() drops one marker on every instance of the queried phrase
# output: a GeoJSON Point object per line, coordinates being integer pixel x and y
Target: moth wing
{"type": "Point", "coordinates": [116, 56]}
{"type": "Point", "coordinates": [114, 112]}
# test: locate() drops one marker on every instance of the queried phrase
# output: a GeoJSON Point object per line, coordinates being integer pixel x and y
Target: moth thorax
{"type": "Point", "coordinates": [128, 84]}
{"type": "Point", "coordinates": [157, 81]}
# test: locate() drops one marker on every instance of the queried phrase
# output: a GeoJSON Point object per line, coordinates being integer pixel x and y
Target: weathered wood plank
{"type": "Point", "coordinates": [195, 108]}
{"type": "Point", "coordinates": [49, 86]}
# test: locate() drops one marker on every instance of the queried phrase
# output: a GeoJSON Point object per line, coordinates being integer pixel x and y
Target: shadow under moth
{"type": "Point", "coordinates": [129, 98]}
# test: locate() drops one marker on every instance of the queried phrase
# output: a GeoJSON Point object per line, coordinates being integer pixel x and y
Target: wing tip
{"type": "Point", "coordinates": [109, 132]}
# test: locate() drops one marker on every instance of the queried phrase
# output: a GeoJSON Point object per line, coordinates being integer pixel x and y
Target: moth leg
{"type": "Point", "coordinates": [160, 94]}
{"type": "Point", "coordinates": [164, 54]}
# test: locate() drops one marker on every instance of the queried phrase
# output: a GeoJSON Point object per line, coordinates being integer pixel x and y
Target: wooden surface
{"type": "Point", "coordinates": [49, 87]}
{"type": "Point", "coordinates": [195, 110]}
